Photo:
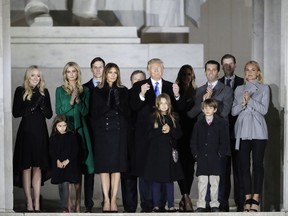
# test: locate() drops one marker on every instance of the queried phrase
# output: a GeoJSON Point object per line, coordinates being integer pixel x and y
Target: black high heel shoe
{"type": "Point", "coordinates": [247, 203]}
{"type": "Point", "coordinates": [254, 202]}
{"type": "Point", "coordinates": [187, 203]}
{"type": "Point", "coordinates": [182, 205]}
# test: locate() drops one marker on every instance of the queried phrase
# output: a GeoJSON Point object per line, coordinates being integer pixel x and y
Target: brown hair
{"type": "Point", "coordinates": [158, 114]}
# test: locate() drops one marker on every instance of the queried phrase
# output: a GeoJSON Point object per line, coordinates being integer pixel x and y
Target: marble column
{"type": "Point", "coordinates": [284, 96]}
{"type": "Point", "coordinates": [6, 146]}
{"type": "Point", "coordinates": [266, 49]}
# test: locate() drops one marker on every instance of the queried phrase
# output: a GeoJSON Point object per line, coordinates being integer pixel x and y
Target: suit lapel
{"type": "Point", "coordinates": [217, 89]}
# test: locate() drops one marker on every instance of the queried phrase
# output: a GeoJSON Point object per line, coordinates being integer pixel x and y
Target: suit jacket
{"type": "Point", "coordinates": [251, 123]}
{"type": "Point", "coordinates": [90, 84]}
{"type": "Point", "coordinates": [232, 119]}
{"type": "Point", "coordinates": [144, 109]}
{"type": "Point", "coordinates": [237, 81]}
{"type": "Point", "coordinates": [221, 93]}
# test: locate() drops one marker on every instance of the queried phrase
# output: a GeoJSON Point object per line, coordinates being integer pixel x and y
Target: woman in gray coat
{"type": "Point", "coordinates": [251, 102]}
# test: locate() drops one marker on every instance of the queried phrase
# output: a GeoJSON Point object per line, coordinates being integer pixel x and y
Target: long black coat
{"type": "Point", "coordinates": [144, 109]}
{"type": "Point", "coordinates": [208, 144]}
{"type": "Point", "coordinates": [62, 147]}
{"type": "Point", "coordinates": [110, 117]}
{"type": "Point", "coordinates": [32, 140]}
{"type": "Point", "coordinates": [160, 166]}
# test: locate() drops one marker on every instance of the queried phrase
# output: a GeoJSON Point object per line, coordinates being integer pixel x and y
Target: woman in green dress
{"type": "Point", "coordinates": [72, 100]}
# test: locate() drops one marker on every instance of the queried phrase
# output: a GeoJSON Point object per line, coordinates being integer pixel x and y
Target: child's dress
{"type": "Point", "coordinates": [62, 147]}
{"type": "Point", "coordinates": [160, 166]}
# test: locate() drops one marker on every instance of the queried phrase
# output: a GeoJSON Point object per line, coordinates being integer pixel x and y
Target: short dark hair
{"type": "Point", "coordinates": [209, 102]}
{"type": "Point", "coordinates": [97, 59]}
{"type": "Point", "coordinates": [213, 62]}
{"type": "Point", "coordinates": [226, 56]}
{"type": "Point", "coordinates": [137, 72]}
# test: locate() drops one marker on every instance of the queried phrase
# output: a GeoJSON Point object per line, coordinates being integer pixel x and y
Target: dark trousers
{"type": "Point", "coordinates": [145, 191]}
{"type": "Point", "coordinates": [237, 181]}
{"type": "Point", "coordinates": [88, 190]}
{"type": "Point", "coordinates": [157, 193]}
{"type": "Point", "coordinates": [129, 192]}
{"type": "Point", "coordinates": [187, 162]}
{"type": "Point", "coordinates": [224, 184]}
{"type": "Point", "coordinates": [257, 147]}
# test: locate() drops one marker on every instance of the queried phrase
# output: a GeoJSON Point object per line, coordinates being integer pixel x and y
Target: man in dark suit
{"type": "Point", "coordinates": [143, 95]}
{"type": "Point", "coordinates": [97, 67]}
{"type": "Point", "coordinates": [228, 63]}
{"type": "Point", "coordinates": [224, 97]}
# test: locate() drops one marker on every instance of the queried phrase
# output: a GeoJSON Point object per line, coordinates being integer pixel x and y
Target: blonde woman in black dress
{"type": "Point", "coordinates": [31, 155]}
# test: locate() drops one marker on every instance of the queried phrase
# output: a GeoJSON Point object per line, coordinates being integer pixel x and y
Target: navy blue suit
{"type": "Point", "coordinates": [238, 186]}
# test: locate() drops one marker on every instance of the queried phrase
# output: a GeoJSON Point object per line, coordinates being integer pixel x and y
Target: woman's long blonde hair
{"type": "Point", "coordinates": [260, 76]}
{"type": "Point", "coordinates": [28, 88]}
{"type": "Point", "coordinates": [67, 87]}
{"type": "Point", "coordinates": [158, 114]}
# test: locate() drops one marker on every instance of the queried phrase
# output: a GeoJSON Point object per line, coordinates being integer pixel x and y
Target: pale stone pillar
{"type": "Point", "coordinates": [6, 146]}
{"type": "Point", "coordinates": [266, 49]}
{"type": "Point", "coordinates": [284, 96]}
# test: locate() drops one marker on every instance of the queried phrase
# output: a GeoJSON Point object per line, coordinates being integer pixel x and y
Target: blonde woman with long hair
{"type": "Point", "coordinates": [31, 155]}
{"type": "Point", "coordinates": [72, 100]}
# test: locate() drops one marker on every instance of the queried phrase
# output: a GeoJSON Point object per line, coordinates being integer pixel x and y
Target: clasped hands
{"type": "Point", "coordinates": [165, 128]}
{"type": "Point", "coordinates": [62, 164]}
{"type": "Point", "coordinates": [208, 94]}
{"type": "Point", "coordinates": [145, 87]}
{"type": "Point", "coordinates": [246, 98]}
{"type": "Point", "coordinates": [74, 96]}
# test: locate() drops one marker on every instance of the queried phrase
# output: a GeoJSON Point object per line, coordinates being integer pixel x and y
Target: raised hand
{"type": "Point", "coordinates": [144, 88]}
{"type": "Point", "coordinates": [175, 89]}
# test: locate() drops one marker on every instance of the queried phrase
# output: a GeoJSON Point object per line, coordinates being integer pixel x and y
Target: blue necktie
{"type": "Point", "coordinates": [156, 90]}
{"type": "Point", "coordinates": [228, 82]}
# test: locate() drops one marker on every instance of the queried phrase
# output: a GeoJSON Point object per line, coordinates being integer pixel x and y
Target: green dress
{"type": "Point", "coordinates": [76, 121]}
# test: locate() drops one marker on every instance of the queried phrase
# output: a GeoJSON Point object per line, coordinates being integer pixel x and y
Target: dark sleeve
{"type": "Point", "coordinates": [152, 132]}
{"type": "Point", "coordinates": [194, 139]}
{"type": "Point", "coordinates": [47, 108]}
{"type": "Point", "coordinates": [135, 102]}
{"type": "Point", "coordinates": [175, 132]}
{"type": "Point", "coordinates": [123, 106]}
{"type": "Point", "coordinates": [53, 150]}
{"type": "Point", "coordinates": [19, 109]}
{"type": "Point", "coordinates": [224, 148]}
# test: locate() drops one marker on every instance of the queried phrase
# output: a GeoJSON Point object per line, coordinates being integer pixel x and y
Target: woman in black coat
{"type": "Point", "coordinates": [31, 155]}
{"type": "Point", "coordinates": [110, 115]}
{"type": "Point", "coordinates": [186, 81]}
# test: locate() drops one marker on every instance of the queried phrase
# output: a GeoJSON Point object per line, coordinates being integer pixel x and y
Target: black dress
{"type": "Point", "coordinates": [110, 115]}
{"type": "Point", "coordinates": [160, 166]}
{"type": "Point", "coordinates": [62, 147]}
{"type": "Point", "coordinates": [32, 140]}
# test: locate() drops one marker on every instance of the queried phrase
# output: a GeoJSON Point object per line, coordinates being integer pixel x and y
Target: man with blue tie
{"type": "Point", "coordinates": [143, 95]}
{"type": "Point", "coordinates": [228, 63]}
{"type": "Point", "coordinates": [97, 67]}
